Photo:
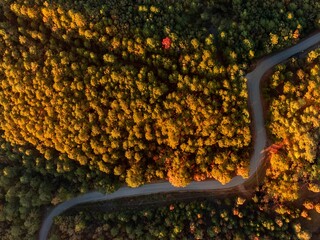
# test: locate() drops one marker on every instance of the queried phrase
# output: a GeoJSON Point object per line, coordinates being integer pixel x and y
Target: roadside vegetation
{"type": "Point", "coordinates": [233, 218]}
{"type": "Point", "coordinates": [293, 95]}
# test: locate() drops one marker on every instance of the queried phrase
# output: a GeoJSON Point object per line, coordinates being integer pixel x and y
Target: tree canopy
{"type": "Point", "coordinates": [294, 123]}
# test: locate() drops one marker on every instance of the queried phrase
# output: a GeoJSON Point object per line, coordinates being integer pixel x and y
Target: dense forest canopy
{"type": "Point", "coordinates": [29, 183]}
{"type": "Point", "coordinates": [138, 91]}
{"type": "Point", "coordinates": [129, 107]}
{"type": "Point", "coordinates": [294, 123]}
{"type": "Point", "coordinates": [93, 94]}
{"type": "Point", "coordinates": [233, 218]}
{"type": "Point", "coordinates": [98, 83]}
{"type": "Point", "coordinates": [292, 93]}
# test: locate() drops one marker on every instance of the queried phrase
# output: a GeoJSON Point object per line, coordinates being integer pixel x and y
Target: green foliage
{"type": "Point", "coordinates": [255, 28]}
{"type": "Point", "coordinates": [194, 220]}
{"type": "Point", "coordinates": [29, 184]}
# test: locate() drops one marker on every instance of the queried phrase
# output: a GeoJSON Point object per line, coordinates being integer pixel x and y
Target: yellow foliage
{"type": "Point", "coordinates": [274, 39]}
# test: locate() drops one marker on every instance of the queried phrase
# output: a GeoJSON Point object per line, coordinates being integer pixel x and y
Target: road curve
{"type": "Point", "coordinates": [259, 137]}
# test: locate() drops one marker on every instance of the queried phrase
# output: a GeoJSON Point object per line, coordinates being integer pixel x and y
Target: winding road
{"type": "Point", "coordinates": [259, 137]}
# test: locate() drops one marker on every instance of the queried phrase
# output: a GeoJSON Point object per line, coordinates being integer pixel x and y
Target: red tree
{"type": "Point", "coordinates": [166, 43]}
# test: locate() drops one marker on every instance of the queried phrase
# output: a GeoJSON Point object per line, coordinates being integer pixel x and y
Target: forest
{"type": "Point", "coordinates": [293, 94]}
{"type": "Point", "coordinates": [29, 184]}
{"type": "Point", "coordinates": [231, 218]}
{"type": "Point", "coordinates": [131, 108]}
{"type": "Point", "coordinates": [97, 94]}
{"type": "Point", "coordinates": [278, 209]}
{"type": "Point", "coordinates": [124, 89]}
